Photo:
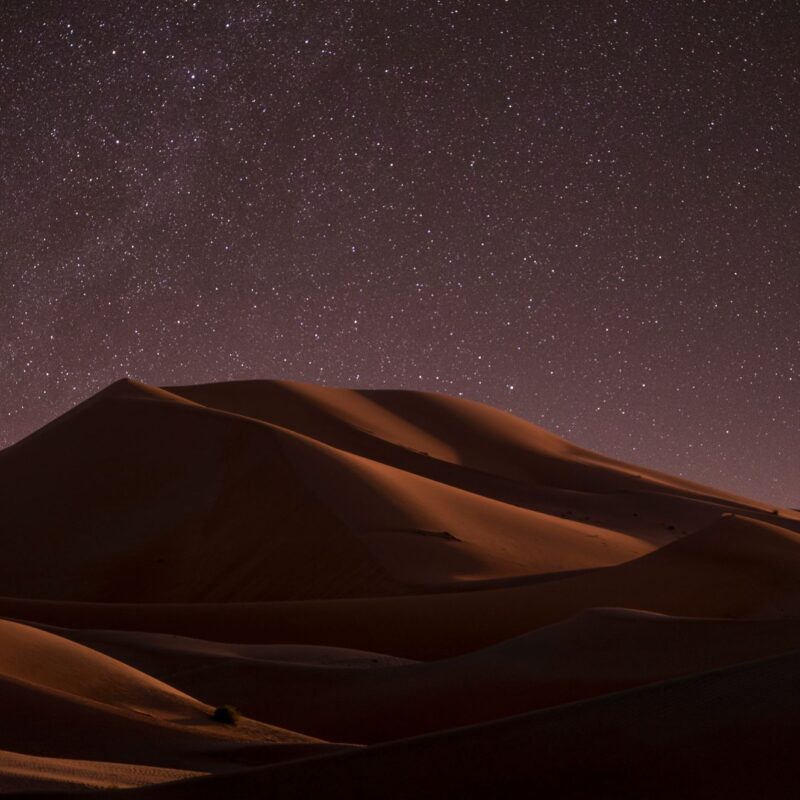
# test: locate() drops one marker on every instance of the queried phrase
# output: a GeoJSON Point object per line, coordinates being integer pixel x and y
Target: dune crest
{"type": "Point", "coordinates": [273, 588]}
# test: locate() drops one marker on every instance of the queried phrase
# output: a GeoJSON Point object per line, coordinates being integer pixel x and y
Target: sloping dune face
{"type": "Point", "coordinates": [378, 423]}
{"type": "Point", "coordinates": [402, 595]}
{"type": "Point", "coordinates": [139, 495]}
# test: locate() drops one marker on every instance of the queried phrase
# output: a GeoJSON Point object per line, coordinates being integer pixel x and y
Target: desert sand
{"type": "Point", "coordinates": [403, 594]}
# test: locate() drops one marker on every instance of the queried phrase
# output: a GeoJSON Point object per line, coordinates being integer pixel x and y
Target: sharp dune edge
{"type": "Point", "coordinates": [403, 594]}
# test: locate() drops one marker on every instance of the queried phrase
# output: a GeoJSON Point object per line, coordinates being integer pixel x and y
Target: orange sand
{"type": "Point", "coordinates": [404, 594]}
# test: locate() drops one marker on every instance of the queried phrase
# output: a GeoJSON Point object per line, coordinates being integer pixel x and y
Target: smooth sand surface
{"type": "Point", "coordinates": [62, 699]}
{"type": "Point", "coordinates": [726, 733]}
{"type": "Point", "coordinates": [25, 773]}
{"type": "Point", "coordinates": [596, 652]}
{"type": "Point", "coordinates": [737, 568]}
{"type": "Point", "coordinates": [403, 595]}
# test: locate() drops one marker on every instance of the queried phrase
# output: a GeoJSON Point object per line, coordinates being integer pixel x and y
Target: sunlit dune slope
{"type": "Point", "coordinates": [20, 772]}
{"type": "Point", "coordinates": [735, 568]}
{"type": "Point", "coordinates": [142, 494]}
{"type": "Point", "coordinates": [447, 428]}
{"type": "Point", "coordinates": [65, 700]}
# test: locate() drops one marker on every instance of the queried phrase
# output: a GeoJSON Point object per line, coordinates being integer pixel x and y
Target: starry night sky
{"type": "Point", "coordinates": [583, 212]}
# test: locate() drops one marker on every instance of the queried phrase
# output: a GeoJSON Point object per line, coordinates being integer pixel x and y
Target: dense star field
{"type": "Point", "coordinates": [585, 213]}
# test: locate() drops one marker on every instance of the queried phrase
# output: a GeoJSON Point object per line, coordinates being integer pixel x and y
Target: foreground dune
{"type": "Point", "coordinates": [122, 714]}
{"type": "Point", "coordinates": [679, 738]}
{"type": "Point", "coordinates": [404, 594]}
{"type": "Point", "coordinates": [25, 773]}
{"type": "Point", "coordinates": [306, 689]}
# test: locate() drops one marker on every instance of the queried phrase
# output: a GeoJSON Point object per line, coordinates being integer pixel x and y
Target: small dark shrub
{"type": "Point", "coordinates": [226, 714]}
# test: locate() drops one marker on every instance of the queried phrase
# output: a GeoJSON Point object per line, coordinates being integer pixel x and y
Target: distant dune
{"type": "Point", "coordinates": [403, 594]}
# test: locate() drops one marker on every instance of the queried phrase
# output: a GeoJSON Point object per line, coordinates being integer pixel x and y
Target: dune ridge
{"type": "Point", "coordinates": [403, 594]}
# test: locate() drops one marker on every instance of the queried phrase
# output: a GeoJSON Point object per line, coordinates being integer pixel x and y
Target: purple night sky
{"type": "Point", "coordinates": [583, 212]}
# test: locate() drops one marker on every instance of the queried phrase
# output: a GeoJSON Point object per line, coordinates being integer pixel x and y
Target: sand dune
{"type": "Point", "coordinates": [405, 595]}
{"type": "Point", "coordinates": [202, 486]}
{"type": "Point", "coordinates": [51, 661]}
{"type": "Point", "coordinates": [305, 689]}
{"type": "Point", "coordinates": [483, 450]}
{"type": "Point", "coordinates": [724, 733]}
{"type": "Point", "coordinates": [150, 499]}
{"type": "Point", "coordinates": [592, 656]}
{"type": "Point", "coordinates": [24, 773]}
{"type": "Point", "coordinates": [122, 713]}
{"type": "Point", "coordinates": [735, 568]}
{"type": "Point", "coordinates": [446, 428]}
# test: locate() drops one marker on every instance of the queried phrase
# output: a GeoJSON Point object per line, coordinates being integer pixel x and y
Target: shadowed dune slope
{"type": "Point", "coordinates": [305, 689]}
{"type": "Point", "coordinates": [137, 496]}
{"type": "Point", "coordinates": [679, 738]}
